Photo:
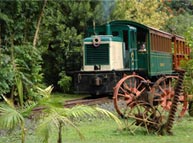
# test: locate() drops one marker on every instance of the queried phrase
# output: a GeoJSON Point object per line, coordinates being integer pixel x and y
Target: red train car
{"type": "Point", "coordinates": [181, 50]}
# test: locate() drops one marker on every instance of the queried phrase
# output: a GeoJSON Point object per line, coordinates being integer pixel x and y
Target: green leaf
{"type": "Point", "coordinates": [8, 101]}
{"type": "Point", "coordinates": [9, 117]}
{"type": "Point", "coordinates": [20, 90]}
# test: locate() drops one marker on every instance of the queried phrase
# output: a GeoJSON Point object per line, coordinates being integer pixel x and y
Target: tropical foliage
{"type": "Point", "coordinates": [12, 117]}
{"type": "Point", "coordinates": [53, 116]}
{"type": "Point", "coordinates": [182, 16]}
{"type": "Point", "coordinates": [41, 40]}
{"type": "Point", "coordinates": [20, 61]}
{"type": "Point", "coordinates": [148, 12]}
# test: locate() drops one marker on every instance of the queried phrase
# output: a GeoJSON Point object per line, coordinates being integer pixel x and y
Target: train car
{"type": "Point", "coordinates": [181, 51]}
{"type": "Point", "coordinates": [124, 47]}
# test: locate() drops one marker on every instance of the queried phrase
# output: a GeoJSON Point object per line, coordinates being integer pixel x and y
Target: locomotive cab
{"type": "Point", "coordinates": [112, 51]}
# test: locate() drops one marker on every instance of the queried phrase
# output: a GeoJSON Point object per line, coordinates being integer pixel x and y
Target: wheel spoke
{"type": "Point", "coordinates": [126, 87]}
{"type": "Point", "coordinates": [162, 90]}
{"type": "Point", "coordinates": [170, 85]}
{"type": "Point", "coordinates": [135, 83]}
{"type": "Point", "coordinates": [123, 95]}
{"type": "Point", "coordinates": [123, 90]}
{"type": "Point", "coordinates": [140, 84]}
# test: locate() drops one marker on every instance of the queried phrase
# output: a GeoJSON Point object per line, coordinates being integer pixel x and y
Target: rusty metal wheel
{"type": "Point", "coordinates": [126, 91]}
{"type": "Point", "coordinates": [142, 114]}
{"type": "Point", "coordinates": [163, 91]}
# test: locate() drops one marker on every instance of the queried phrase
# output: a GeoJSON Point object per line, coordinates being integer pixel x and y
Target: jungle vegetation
{"type": "Point", "coordinates": [39, 40]}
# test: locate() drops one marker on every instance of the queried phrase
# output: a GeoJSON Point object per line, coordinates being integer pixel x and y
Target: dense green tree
{"type": "Point", "coordinates": [188, 65]}
{"type": "Point", "coordinates": [148, 12]}
{"type": "Point", "coordinates": [189, 36]}
{"type": "Point", "coordinates": [62, 23]}
{"type": "Point", "coordinates": [18, 20]}
{"type": "Point", "coordinates": [179, 24]}
{"type": "Point", "coordinates": [180, 6]}
{"type": "Point", "coordinates": [182, 16]}
{"type": "Point", "coordinates": [63, 29]}
{"type": "Point", "coordinates": [20, 61]}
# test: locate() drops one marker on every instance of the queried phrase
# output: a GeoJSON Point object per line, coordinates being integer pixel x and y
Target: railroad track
{"type": "Point", "coordinates": [74, 102]}
{"type": "Point", "coordinates": [81, 101]}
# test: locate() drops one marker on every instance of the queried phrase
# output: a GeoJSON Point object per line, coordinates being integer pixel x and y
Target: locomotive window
{"type": "Point", "coordinates": [102, 33]}
{"type": "Point", "coordinates": [115, 33]}
{"type": "Point", "coordinates": [133, 40]}
{"type": "Point", "coordinates": [125, 39]}
{"type": "Point", "coordinates": [141, 36]}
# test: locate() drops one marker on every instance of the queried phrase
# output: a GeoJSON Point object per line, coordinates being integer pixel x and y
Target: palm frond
{"type": "Point", "coordinates": [83, 110]}
{"type": "Point", "coordinates": [49, 124]}
{"type": "Point", "coordinates": [45, 92]}
{"type": "Point", "coordinates": [65, 120]}
{"type": "Point", "coordinates": [52, 101]}
{"type": "Point", "coordinates": [44, 129]}
{"type": "Point", "coordinates": [56, 116]}
{"type": "Point", "coordinates": [109, 114]}
{"type": "Point", "coordinates": [80, 111]}
{"type": "Point", "coordinates": [26, 111]}
{"type": "Point", "coordinates": [9, 117]}
{"type": "Point", "coordinates": [8, 101]}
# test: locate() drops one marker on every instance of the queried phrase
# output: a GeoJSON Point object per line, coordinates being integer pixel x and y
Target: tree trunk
{"type": "Point", "coordinates": [22, 132]}
{"type": "Point", "coordinates": [38, 24]}
{"type": "Point", "coordinates": [60, 133]}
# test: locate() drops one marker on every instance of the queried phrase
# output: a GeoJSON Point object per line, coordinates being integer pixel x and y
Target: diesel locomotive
{"type": "Point", "coordinates": [122, 47]}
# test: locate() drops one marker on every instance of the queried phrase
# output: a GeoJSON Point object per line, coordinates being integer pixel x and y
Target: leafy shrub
{"type": "Point", "coordinates": [20, 65]}
{"type": "Point", "coordinates": [65, 82]}
{"type": "Point", "coordinates": [6, 73]}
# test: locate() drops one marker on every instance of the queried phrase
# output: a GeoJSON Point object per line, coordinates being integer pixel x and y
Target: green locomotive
{"type": "Point", "coordinates": [122, 47]}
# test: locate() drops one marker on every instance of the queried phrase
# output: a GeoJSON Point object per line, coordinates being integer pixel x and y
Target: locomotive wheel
{"type": "Point", "coordinates": [144, 115]}
{"type": "Point", "coordinates": [126, 91]}
{"type": "Point", "coordinates": [163, 91]}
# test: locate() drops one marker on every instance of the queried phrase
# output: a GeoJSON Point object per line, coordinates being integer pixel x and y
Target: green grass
{"type": "Point", "coordinates": [102, 131]}
{"type": "Point", "coordinates": [69, 96]}
{"type": "Point", "coordinates": [106, 131]}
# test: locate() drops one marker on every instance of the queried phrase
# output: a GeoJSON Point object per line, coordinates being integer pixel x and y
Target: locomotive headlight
{"type": "Point", "coordinates": [96, 41]}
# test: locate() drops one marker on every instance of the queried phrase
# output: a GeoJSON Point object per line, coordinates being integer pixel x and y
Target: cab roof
{"type": "Point", "coordinates": [144, 27]}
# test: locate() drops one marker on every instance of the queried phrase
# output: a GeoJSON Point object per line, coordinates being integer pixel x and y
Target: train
{"type": "Point", "coordinates": [139, 67]}
{"type": "Point", "coordinates": [122, 47]}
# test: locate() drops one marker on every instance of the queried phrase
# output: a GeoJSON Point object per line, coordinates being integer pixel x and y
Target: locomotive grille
{"type": "Point", "coordinates": [97, 55]}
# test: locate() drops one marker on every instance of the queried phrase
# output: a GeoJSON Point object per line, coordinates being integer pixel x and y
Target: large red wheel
{"type": "Point", "coordinates": [163, 91]}
{"type": "Point", "coordinates": [126, 91]}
